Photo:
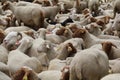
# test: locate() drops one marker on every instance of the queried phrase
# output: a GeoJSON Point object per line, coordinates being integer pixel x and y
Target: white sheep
{"type": "Point", "coordinates": [81, 66]}
{"type": "Point", "coordinates": [22, 58]}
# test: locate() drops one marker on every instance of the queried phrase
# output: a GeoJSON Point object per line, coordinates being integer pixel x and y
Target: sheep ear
{"type": "Point", "coordinates": [114, 45]}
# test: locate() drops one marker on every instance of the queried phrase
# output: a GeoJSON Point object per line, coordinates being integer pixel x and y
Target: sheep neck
{"type": "Point", "coordinates": [12, 7]}
{"type": "Point", "coordinates": [89, 39]}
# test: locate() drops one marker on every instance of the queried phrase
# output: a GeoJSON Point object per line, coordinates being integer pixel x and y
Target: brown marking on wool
{"type": "Point", "coordinates": [25, 72]}
{"type": "Point", "coordinates": [85, 11]}
{"type": "Point", "coordinates": [79, 33]}
{"type": "Point", "coordinates": [60, 31]}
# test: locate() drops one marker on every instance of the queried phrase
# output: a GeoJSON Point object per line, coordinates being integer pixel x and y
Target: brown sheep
{"type": "Point", "coordinates": [25, 73]}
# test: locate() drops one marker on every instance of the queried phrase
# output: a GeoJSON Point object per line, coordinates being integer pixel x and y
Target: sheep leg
{"type": "Point", "coordinates": [73, 75]}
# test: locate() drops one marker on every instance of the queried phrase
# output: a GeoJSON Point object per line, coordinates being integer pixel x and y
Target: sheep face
{"type": "Point", "coordinates": [73, 28]}
{"type": "Point", "coordinates": [86, 11]}
{"type": "Point", "coordinates": [92, 19]}
{"type": "Point", "coordinates": [107, 46]}
{"type": "Point", "coordinates": [70, 48]}
{"type": "Point", "coordinates": [100, 22]}
{"type": "Point", "coordinates": [60, 31]}
{"type": "Point", "coordinates": [6, 5]}
{"type": "Point", "coordinates": [11, 39]}
{"type": "Point", "coordinates": [25, 73]}
{"type": "Point", "coordinates": [80, 33]}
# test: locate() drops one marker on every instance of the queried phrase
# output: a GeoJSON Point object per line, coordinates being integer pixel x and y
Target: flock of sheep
{"type": "Point", "coordinates": [60, 40]}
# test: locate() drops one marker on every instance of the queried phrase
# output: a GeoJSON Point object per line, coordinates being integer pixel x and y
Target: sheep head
{"type": "Point", "coordinates": [65, 73]}
{"type": "Point", "coordinates": [86, 11]}
{"type": "Point", "coordinates": [100, 22]}
{"type": "Point", "coordinates": [92, 19]}
{"type": "Point", "coordinates": [62, 32]}
{"type": "Point", "coordinates": [30, 33]}
{"type": "Point", "coordinates": [6, 5]}
{"type": "Point", "coordinates": [25, 73]}
{"type": "Point", "coordinates": [107, 46]}
{"type": "Point", "coordinates": [71, 49]}
{"type": "Point", "coordinates": [79, 33]}
{"type": "Point", "coordinates": [73, 27]}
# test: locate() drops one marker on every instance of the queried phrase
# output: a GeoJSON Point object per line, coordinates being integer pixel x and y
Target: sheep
{"type": "Point", "coordinates": [51, 11]}
{"type": "Point", "coordinates": [78, 43]}
{"type": "Point", "coordinates": [25, 73]}
{"type": "Point", "coordinates": [22, 58]}
{"type": "Point", "coordinates": [60, 36]}
{"type": "Point", "coordinates": [81, 66]}
{"type": "Point", "coordinates": [39, 48]}
{"type": "Point", "coordinates": [17, 29]}
{"type": "Point", "coordinates": [90, 40]}
{"type": "Point", "coordinates": [50, 75]}
{"type": "Point", "coordinates": [109, 29]}
{"type": "Point", "coordinates": [111, 77]}
{"type": "Point", "coordinates": [32, 16]}
{"type": "Point", "coordinates": [4, 76]}
{"type": "Point", "coordinates": [10, 40]}
{"type": "Point", "coordinates": [66, 50]}
{"type": "Point", "coordinates": [111, 50]}
{"type": "Point", "coordinates": [48, 48]}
